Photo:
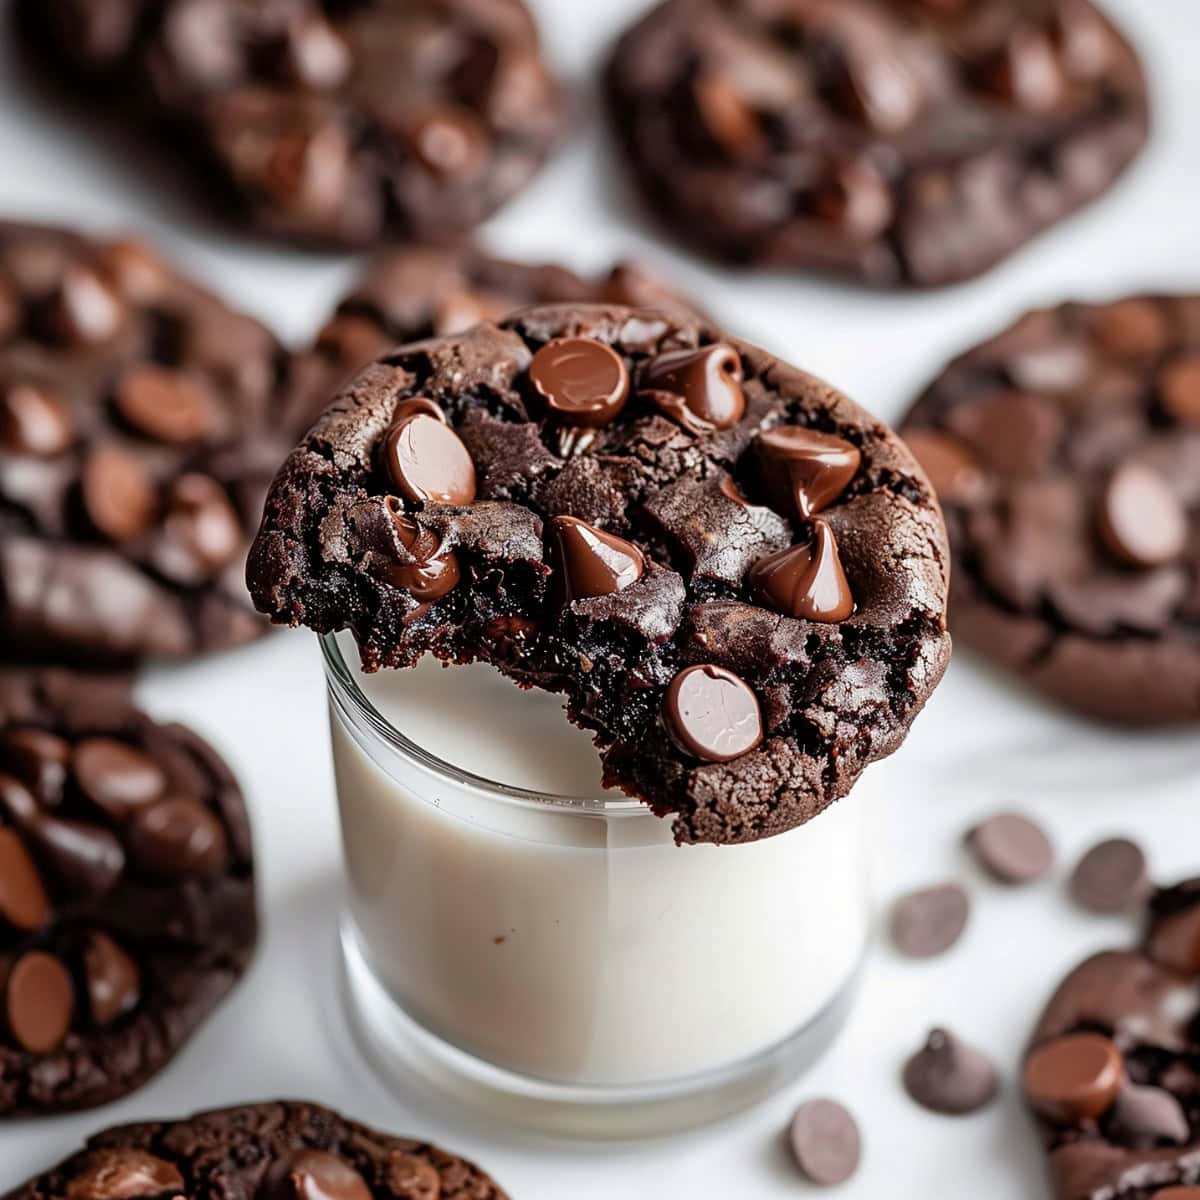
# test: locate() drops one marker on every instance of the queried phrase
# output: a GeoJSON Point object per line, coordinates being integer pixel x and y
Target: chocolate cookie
{"type": "Point", "coordinates": [895, 142]}
{"type": "Point", "coordinates": [287, 1150]}
{"type": "Point", "coordinates": [126, 890]}
{"type": "Point", "coordinates": [322, 121]}
{"type": "Point", "coordinates": [735, 576]}
{"type": "Point", "coordinates": [1111, 1071]}
{"type": "Point", "coordinates": [414, 292]}
{"type": "Point", "coordinates": [140, 421]}
{"type": "Point", "coordinates": [1066, 453]}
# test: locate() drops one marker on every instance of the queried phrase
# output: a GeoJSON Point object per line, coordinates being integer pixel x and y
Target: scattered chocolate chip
{"type": "Point", "coordinates": [23, 901]}
{"type": "Point", "coordinates": [313, 1175]}
{"type": "Point", "coordinates": [928, 922]}
{"type": "Point", "coordinates": [428, 462]}
{"type": "Point", "coordinates": [803, 469]}
{"type": "Point", "coordinates": [806, 580]}
{"type": "Point", "coordinates": [1075, 1077]}
{"type": "Point", "coordinates": [124, 1174]}
{"type": "Point", "coordinates": [1146, 1117]}
{"type": "Point", "coordinates": [1179, 388]}
{"type": "Point", "coordinates": [1141, 521]}
{"type": "Point", "coordinates": [952, 469]}
{"type": "Point", "coordinates": [117, 777]}
{"type": "Point", "coordinates": [825, 1142]}
{"type": "Point", "coordinates": [434, 574]}
{"type": "Point", "coordinates": [165, 405]}
{"type": "Point", "coordinates": [1110, 877]}
{"type": "Point", "coordinates": [33, 420]}
{"type": "Point", "coordinates": [593, 562]}
{"type": "Point", "coordinates": [178, 837]}
{"type": "Point", "coordinates": [114, 982]}
{"type": "Point", "coordinates": [39, 759]}
{"type": "Point", "coordinates": [117, 493]}
{"type": "Point", "coordinates": [38, 1002]}
{"type": "Point", "coordinates": [1011, 848]}
{"type": "Point", "coordinates": [712, 714]}
{"type": "Point", "coordinates": [581, 381]}
{"type": "Point", "coordinates": [701, 389]}
{"type": "Point", "coordinates": [948, 1076]}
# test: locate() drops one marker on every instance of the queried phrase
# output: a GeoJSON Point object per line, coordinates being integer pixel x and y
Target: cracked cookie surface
{"type": "Point", "coordinates": [735, 576]}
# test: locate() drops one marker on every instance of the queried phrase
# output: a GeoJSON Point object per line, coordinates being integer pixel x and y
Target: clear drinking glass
{"type": "Point", "coordinates": [559, 960]}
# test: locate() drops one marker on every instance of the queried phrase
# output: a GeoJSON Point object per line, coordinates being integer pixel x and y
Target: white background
{"type": "Point", "coordinates": [981, 743]}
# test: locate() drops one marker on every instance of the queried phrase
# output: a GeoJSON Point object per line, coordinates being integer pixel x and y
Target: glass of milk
{"type": "Point", "coordinates": [540, 946]}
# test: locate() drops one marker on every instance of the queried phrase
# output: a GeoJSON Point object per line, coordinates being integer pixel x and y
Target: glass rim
{"type": "Point", "coordinates": [345, 687]}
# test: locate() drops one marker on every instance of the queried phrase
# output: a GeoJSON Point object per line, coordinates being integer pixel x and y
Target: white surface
{"type": "Point", "coordinates": [980, 744]}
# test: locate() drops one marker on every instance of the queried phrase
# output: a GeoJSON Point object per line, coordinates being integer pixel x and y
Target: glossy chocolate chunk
{"type": "Point", "coordinates": [23, 901]}
{"type": "Point", "coordinates": [33, 420]}
{"type": "Point", "coordinates": [712, 714]}
{"type": "Point", "coordinates": [1140, 519]}
{"type": "Point", "coordinates": [114, 980]}
{"type": "Point", "coordinates": [118, 494]}
{"type": "Point", "coordinates": [806, 580]}
{"type": "Point", "coordinates": [948, 1076]}
{"type": "Point", "coordinates": [166, 405]}
{"type": "Point", "coordinates": [825, 1142]}
{"type": "Point", "coordinates": [125, 1174]}
{"type": "Point", "coordinates": [39, 999]}
{"type": "Point", "coordinates": [428, 462]}
{"type": "Point", "coordinates": [805, 470]}
{"type": "Point", "coordinates": [313, 1175]}
{"type": "Point", "coordinates": [1074, 1077]}
{"type": "Point", "coordinates": [701, 389]}
{"type": "Point", "coordinates": [593, 562]}
{"type": "Point", "coordinates": [116, 776]}
{"type": "Point", "coordinates": [84, 860]}
{"type": "Point", "coordinates": [434, 573]}
{"type": "Point", "coordinates": [178, 836]}
{"type": "Point", "coordinates": [581, 381]}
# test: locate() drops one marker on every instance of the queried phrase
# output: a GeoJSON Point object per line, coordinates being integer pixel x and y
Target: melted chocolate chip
{"type": "Point", "coordinates": [428, 462]}
{"type": "Point", "coordinates": [712, 714]}
{"type": "Point", "coordinates": [581, 381]}
{"type": "Point", "coordinates": [593, 562]}
{"type": "Point", "coordinates": [23, 901]}
{"type": "Point", "coordinates": [434, 574]}
{"type": "Point", "coordinates": [178, 837]}
{"type": "Point", "coordinates": [117, 493]}
{"type": "Point", "coordinates": [805, 581]}
{"type": "Point", "coordinates": [1074, 1077]}
{"type": "Point", "coordinates": [805, 470]}
{"type": "Point", "coordinates": [313, 1175]}
{"type": "Point", "coordinates": [165, 405]}
{"type": "Point", "coordinates": [125, 1174]}
{"type": "Point", "coordinates": [1141, 522]}
{"type": "Point", "coordinates": [38, 1002]}
{"type": "Point", "coordinates": [701, 389]}
{"type": "Point", "coordinates": [33, 420]}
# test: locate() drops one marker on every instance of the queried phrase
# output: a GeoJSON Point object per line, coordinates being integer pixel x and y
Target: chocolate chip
{"type": "Point", "coordinates": [39, 759]}
{"type": "Point", "coordinates": [856, 199]}
{"type": "Point", "coordinates": [806, 580]}
{"type": "Point", "coordinates": [825, 1142]}
{"type": "Point", "coordinates": [948, 1076]}
{"type": "Point", "coordinates": [17, 800]}
{"type": "Point", "coordinates": [1110, 877]}
{"type": "Point", "coordinates": [731, 123]}
{"type": "Point", "coordinates": [434, 574]}
{"type": "Point", "coordinates": [33, 420]}
{"type": "Point", "coordinates": [701, 389]}
{"type": "Point", "coordinates": [316, 55]}
{"type": "Point", "coordinates": [23, 901]}
{"type": "Point", "coordinates": [952, 468]}
{"type": "Point", "coordinates": [412, 1177]}
{"type": "Point", "coordinates": [117, 494]}
{"type": "Point", "coordinates": [928, 922]}
{"type": "Point", "coordinates": [428, 462]}
{"type": "Point", "coordinates": [1178, 1193]}
{"type": "Point", "coordinates": [38, 1002]}
{"type": "Point", "coordinates": [178, 837]}
{"type": "Point", "coordinates": [1147, 1117]}
{"type": "Point", "coordinates": [1133, 328]}
{"type": "Point", "coordinates": [1011, 848]}
{"type": "Point", "coordinates": [1026, 71]}
{"type": "Point", "coordinates": [413, 405]}
{"type": "Point", "coordinates": [580, 380]}
{"type": "Point", "coordinates": [125, 1175]}
{"type": "Point", "coordinates": [116, 776]}
{"type": "Point", "coordinates": [593, 562]}
{"type": "Point", "coordinates": [1174, 941]}
{"type": "Point", "coordinates": [1074, 1078]}
{"type": "Point", "coordinates": [85, 860]}
{"type": "Point", "coordinates": [451, 141]}
{"type": "Point", "coordinates": [139, 274]}
{"type": "Point", "coordinates": [168, 406]}
{"type": "Point", "coordinates": [1179, 389]}
{"type": "Point", "coordinates": [1141, 521]}
{"type": "Point", "coordinates": [712, 714]}
{"type": "Point", "coordinates": [85, 310]}
{"type": "Point", "coordinates": [114, 982]}
{"type": "Point", "coordinates": [200, 533]}
{"type": "Point", "coordinates": [313, 1175]}
{"type": "Point", "coordinates": [805, 470]}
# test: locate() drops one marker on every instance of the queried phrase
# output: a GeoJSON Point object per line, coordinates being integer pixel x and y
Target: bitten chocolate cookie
{"type": "Point", "coordinates": [1066, 452]}
{"type": "Point", "coordinates": [321, 120]}
{"type": "Point", "coordinates": [1111, 1071]}
{"type": "Point", "coordinates": [896, 142]}
{"type": "Point", "coordinates": [415, 292]}
{"type": "Point", "coordinates": [126, 890]}
{"type": "Point", "coordinates": [140, 422]}
{"type": "Point", "coordinates": [287, 1150]}
{"type": "Point", "coordinates": [735, 576]}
